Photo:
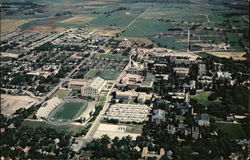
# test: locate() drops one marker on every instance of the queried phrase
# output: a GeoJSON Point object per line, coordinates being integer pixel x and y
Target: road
{"type": "Point", "coordinates": [246, 18]}
{"type": "Point", "coordinates": [135, 19]}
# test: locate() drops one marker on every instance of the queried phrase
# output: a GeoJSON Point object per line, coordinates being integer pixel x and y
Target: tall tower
{"type": "Point", "coordinates": [188, 43]}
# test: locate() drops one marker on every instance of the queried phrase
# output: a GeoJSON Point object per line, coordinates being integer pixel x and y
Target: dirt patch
{"type": "Point", "coordinates": [9, 103]}
{"type": "Point", "coordinates": [107, 32]}
{"type": "Point", "coordinates": [7, 54]}
{"type": "Point", "coordinates": [140, 40]}
{"type": "Point", "coordinates": [234, 55]}
{"type": "Point", "coordinates": [45, 29]}
{"type": "Point", "coordinates": [9, 25]}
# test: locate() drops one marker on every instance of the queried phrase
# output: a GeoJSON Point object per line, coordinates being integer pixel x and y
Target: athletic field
{"type": "Point", "coordinates": [67, 111]}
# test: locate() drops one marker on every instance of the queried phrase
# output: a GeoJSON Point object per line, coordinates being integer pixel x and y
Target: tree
{"type": "Point", "coordinates": [212, 97]}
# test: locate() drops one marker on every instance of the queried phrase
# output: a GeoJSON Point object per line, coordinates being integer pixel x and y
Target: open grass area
{"type": "Point", "coordinates": [67, 111]}
{"type": "Point", "coordinates": [201, 97]}
{"type": "Point", "coordinates": [70, 129]}
{"type": "Point", "coordinates": [233, 130]}
{"type": "Point", "coordinates": [105, 74]}
{"type": "Point", "coordinates": [112, 56]}
{"type": "Point", "coordinates": [61, 93]}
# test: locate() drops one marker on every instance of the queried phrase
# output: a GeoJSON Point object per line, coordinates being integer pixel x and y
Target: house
{"type": "Point", "coordinates": [94, 87]}
{"type": "Point", "coordinates": [202, 119]}
{"type": "Point", "coordinates": [172, 129]}
{"type": "Point", "coordinates": [202, 69]}
{"type": "Point", "coordinates": [190, 86]}
{"type": "Point", "coordinates": [152, 154]}
{"type": "Point", "coordinates": [181, 72]}
{"type": "Point", "coordinates": [224, 75]}
{"type": "Point", "coordinates": [183, 107]}
{"type": "Point", "coordinates": [158, 116]}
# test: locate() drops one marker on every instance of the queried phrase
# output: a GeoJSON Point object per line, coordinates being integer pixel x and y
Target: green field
{"type": "Point", "coordinates": [70, 129]}
{"type": "Point", "coordinates": [61, 93]}
{"type": "Point", "coordinates": [233, 130]}
{"type": "Point", "coordinates": [105, 74]}
{"type": "Point", "coordinates": [201, 98]}
{"type": "Point", "coordinates": [67, 111]}
{"type": "Point", "coordinates": [150, 28]}
{"type": "Point", "coordinates": [112, 56]}
{"type": "Point", "coordinates": [170, 42]}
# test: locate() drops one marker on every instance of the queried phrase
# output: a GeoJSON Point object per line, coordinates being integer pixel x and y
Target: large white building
{"type": "Point", "coordinates": [94, 87]}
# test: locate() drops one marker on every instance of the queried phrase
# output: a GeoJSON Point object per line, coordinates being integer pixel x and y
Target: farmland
{"type": "Point", "coordinates": [11, 24]}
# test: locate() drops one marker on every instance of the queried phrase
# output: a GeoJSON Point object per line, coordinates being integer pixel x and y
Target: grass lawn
{"type": "Point", "coordinates": [86, 153]}
{"type": "Point", "coordinates": [61, 93]}
{"type": "Point", "coordinates": [105, 74]}
{"type": "Point", "coordinates": [70, 129]}
{"type": "Point", "coordinates": [181, 118]}
{"type": "Point", "coordinates": [112, 56]}
{"type": "Point", "coordinates": [201, 97]}
{"type": "Point", "coordinates": [67, 111]}
{"type": "Point", "coordinates": [233, 130]}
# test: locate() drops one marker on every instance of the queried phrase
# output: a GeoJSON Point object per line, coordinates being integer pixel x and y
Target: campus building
{"type": "Point", "coordinates": [77, 84]}
{"type": "Point", "coordinates": [94, 87]}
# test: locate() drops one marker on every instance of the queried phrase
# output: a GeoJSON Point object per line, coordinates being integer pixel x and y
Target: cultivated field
{"type": "Point", "coordinates": [45, 29]}
{"type": "Point", "coordinates": [233, 55]}
{"type": "Point", "coordinates": [9, 103]}
{"type": "Point", "coordinates": [12, 24]}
